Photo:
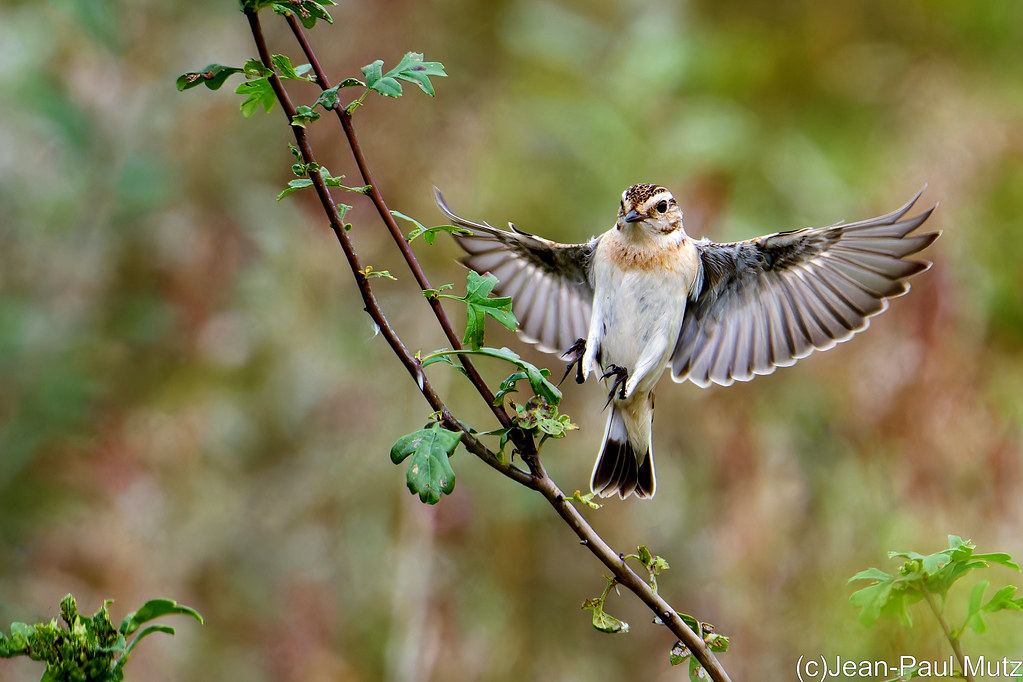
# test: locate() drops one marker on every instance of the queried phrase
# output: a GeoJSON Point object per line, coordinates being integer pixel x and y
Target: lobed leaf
{"type": "Point", "coordinates": [258, 91]}
{"type": "Point", "coordinates": [411, 69]}
{"type": "Point", "coordinates": [429, 471]}
{"type": "Point", "coordinates": [479, 305]}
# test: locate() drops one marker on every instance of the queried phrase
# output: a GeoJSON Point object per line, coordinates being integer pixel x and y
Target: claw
{"type": "Point", "coordinates": [574, 355]}
{"type": "Point", "coordinates": [621, 375]}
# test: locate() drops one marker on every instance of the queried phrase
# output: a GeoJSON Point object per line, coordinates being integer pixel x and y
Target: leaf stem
{"type": "Point", "coordinates": [932, 601]}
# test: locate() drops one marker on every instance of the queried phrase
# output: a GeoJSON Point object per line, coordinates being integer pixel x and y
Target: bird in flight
{"type": "Point", "coordinates": [645, 296]}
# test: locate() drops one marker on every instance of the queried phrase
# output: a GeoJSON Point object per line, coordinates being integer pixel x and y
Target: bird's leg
{"type": "Point", "coordinates": [621, 375]}
{"type": "Point", "coordinates": [574, 355]}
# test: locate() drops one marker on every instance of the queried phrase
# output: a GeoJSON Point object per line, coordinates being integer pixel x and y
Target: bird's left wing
{"type": "Point", "coordinates": [766, 302]}
{"type": "Point", "coordinates": [549, 282]}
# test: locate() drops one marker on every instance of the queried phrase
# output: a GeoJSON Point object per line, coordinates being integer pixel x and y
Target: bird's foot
{"type": "Point", "coordinates": [574, 355]}
{"type": "Point", "coordinates": [621, 375]}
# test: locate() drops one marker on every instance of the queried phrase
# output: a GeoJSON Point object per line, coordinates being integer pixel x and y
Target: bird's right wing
{"type": "Point", "coordinates": [549, 282]}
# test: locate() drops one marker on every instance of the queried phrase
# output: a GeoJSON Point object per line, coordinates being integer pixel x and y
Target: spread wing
{"type": "Point", "coordinates": [769, 301]}
{"type": "Point", "coordinates": [549, 282]}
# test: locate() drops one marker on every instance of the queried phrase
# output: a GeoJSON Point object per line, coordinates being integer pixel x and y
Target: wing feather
{"type": "Point", "coordinates": [552, 295]}
{"type": "Point", "coordinates": [766, 302]}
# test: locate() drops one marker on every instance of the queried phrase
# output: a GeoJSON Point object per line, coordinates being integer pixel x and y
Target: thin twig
{"type": "Point", "coordinates": [372, 305]}
{"type": "Point", "coordinates": [957, 649]}
{"type": "Point", "coordinates": [392, 226]}
{"type": "Point", "coordinates": [537, 477]}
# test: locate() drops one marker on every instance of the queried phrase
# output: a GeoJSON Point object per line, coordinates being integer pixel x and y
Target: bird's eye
{"type": "Point", "coordinates": [662, 206]}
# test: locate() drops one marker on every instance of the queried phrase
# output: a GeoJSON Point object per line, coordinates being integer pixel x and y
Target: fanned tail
{"type": "Point", "coordinates": [620, 468]}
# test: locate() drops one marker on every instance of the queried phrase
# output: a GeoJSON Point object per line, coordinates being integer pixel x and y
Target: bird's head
{"type": "Point", "coordinates": [651, 207]}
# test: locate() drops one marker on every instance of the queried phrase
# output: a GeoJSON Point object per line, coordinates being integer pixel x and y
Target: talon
{"type": "Point", "coordinates": [621, 375]}
{"type": "Point", "coordinates": [574, 355]}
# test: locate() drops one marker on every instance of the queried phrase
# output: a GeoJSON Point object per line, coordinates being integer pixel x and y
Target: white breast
{"type": "Point", "coordinates": [637, 309]}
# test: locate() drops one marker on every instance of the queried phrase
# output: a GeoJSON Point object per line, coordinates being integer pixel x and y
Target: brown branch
{"type": "Point", "coordinates": [537, 477]}
{"type": "Point", "coordinates": [372, 305]}
{"type": "Point", "coordinates": [392, 226]}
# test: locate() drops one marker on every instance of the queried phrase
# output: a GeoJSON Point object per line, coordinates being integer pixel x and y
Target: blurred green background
{"type": "Point", "coordinates": [194, 405]}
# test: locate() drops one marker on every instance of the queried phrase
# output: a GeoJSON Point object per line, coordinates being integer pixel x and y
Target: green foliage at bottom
{"type": "Point", "coordinates": [87, 649]}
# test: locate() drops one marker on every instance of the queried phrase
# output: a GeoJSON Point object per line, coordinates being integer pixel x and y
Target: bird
{"type": "Point", "coordinates": [645, 297]}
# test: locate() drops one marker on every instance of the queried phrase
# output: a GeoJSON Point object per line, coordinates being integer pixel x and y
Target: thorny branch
{"type": "Point", "coordinates": [536, 478]}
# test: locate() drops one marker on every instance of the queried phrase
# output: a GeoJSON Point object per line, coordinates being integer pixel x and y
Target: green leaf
{"type": "Point", "coordinates": [586, 499]}
{"type": "Point", "coordinates": [213, 77]}
{"type": "Point", "coordinates": [387, 86]}
{"type": "Point", "coordinates": [413, 69]}
{"type": "Point", "coordinates": [369, 273]}
{"type": "Point", "coordinates": [373, 72]}
{"type": "Point", "coordinates": [479, 305]}
{"type": "Point", "coordinates": [431, 294]}
{"type": "Point", "coordinates": [446, 359]}
{"type": "Point", "coordinates": [254, 68]}
{"type": "Point", "coordinates": [17, 643]}
{"type": "Point", "coordinates": [328, 180]}
{"type": "Point", "coordinates": [307, 11]}
{"type": "Point", "coordinates": [605, 622]}
{"type": "Point", "coordinates": [537, 376]}
{"type": "Point", "coordinates": [1003, 600]}
{"type": "Point", "coordinates": [716, 642]}
{"type": "Point", "coordinates": [143, 634]}
{"type": "Point", "coordinates": [153, 609]}
{"type": "Point", "coordinates": [294, 186]}
{"type": "Point", "coordinates": [871, 574]}
{"type": "Point", "coordinates": [258, 92]}
{"type": "Point", "coordinates": [871, 600]}
{"type": "Point", "coordinates": [429, 234]}
{"type": "Point", "coordinates": [429, 471]}
{"type": "Point", "coordinates": [998, 558]}
{"type": "Point", "coordinates": [679, 653]}
{"type": "Point", "coordinates": [304, 115]}
{"type": "Point", "coordinates": [974, 617]}
{"type": "Point", "coordinates": [282, 63]}
{"type": "Point", "coordinates": [508, 386]}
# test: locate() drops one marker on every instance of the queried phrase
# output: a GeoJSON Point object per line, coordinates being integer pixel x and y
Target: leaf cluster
{"type": "Point", "coordinates": [259, 91]}
{"type": "Point", "coordinates": [430, 475]}
{"type": "Point", "coordinates": [926, 576]}
{"type": "Point", "coordinates": [307, 11]}
{"type": "Point", "coordinates": [679, 653]}
{"type": "Point", "coordinates": [87, 648]}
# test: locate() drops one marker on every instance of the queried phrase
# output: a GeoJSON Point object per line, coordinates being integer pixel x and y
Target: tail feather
{"type": "Point", "coordinates": [620, 468]}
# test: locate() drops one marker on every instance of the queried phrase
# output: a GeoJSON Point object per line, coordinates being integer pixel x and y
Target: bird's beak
{"type": "Point", "coordinates": [633, 216]}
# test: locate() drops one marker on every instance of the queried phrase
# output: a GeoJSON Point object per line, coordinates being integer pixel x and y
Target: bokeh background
{"type": "Point", "coordinates": [194, 405]}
